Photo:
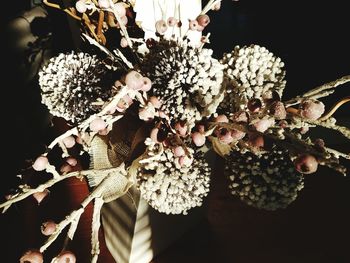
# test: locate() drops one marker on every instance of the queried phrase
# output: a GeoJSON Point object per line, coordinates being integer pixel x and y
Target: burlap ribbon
{"type": "Point", "coordinates": [119, 213]}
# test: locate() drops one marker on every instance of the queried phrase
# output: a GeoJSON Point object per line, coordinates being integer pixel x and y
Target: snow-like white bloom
{"type": "Point", "coordinates": [169, 187]}
{"type": "Point", "coordinates": [268, 181]}
{"type": "Point", "coordinates": [186, 79]}
{"type": "Point", "coordinates": [251, 72]}
{"type": "Point", "coordinates": [71, 84]}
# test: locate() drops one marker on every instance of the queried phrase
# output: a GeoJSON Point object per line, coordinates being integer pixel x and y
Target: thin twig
{"type": "Point", "coordinates": [334, 108]}
{"type": "Point", "coordinates": [74, 216]}
{"type": "Point", "coordinates": [69, 12]}
{"type": "Point", "coordinates": [27, 192]}
{"type": "Point", "coordinates": [122, 26]}
{"type": "Point", "coordinates": [96, 224]}
{"type": "Point", "coordinates": [319, 92]}
{"type": "Point", "coordinates": [209, 6]}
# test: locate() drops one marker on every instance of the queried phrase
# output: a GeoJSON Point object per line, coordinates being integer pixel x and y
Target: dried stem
{"type": "Point", "coordinates": [123, 58]}
{"type": "Point", "coordinates": [337, 153]}
{"type": "Point", "coordinates": [27, 192]}
{"type": "Point", "coordinates": [209, 6]}
{"type": "Point", "coordinates": [73, 217]}
{"type": "Point", "coordinates": [85, 124]}
{"type": "Point", "coordinates": [318, 92]}
{"type": "Point", "coordinates": [99, 27]}
{"type": "Point", "coordinates": [70, 12]}
{"type": "Point", "coordinates": [87, 22]}
{"type": "Point", "coordinates": [331, 125]}
{"type": "Point", "coordinates": [122, 26]}
{"type": "Point", "coordinates": [334, 108]}
{"type": "Point", "coordinates": [96, 224]}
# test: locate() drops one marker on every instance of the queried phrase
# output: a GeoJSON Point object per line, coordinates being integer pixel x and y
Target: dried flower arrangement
{"type": "Point", "coordinates": [185, 103]}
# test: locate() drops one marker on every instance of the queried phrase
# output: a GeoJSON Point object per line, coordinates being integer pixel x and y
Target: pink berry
{"type": "Point", "coordinates": [237, 134]}
{"type": "Point", "coordinates": [32, 256]}
{"type": "Point", "coordinates": [198, 139]}
{"type": "Point", "coordinates": [69, 141]}
{"type": "Point", "coordinates": [254, 105]}
{"type": "Point", "coordinates": [283, 124]}
{"type": "Point", "coordinates": [161, 27]}
{"type": "Point", "coordinates": [150, 42]}
{"type": "Point", "coordinates": [71, 161]}
{"type": "Point", "coordinates": [163, 115]}
{"type": "Point", "coordinates": [146, 114]}
{"type": "Point", "coordinates": [124, 20]}
{"type": "Point", "coordinates": [155, 102]}
{"type": "Point", "coordinates": [66, 168]}
{"type": "Point", "coordinates": [178, 151]}
{"type": "Point", "coordinates": [66, 257]}
{"type": "Point", "coordinates": [124, 103]}
{"type": "Point", "coordinates": [200, 28]}
{"type": "Point", "coordinates": [154, 134]}
{"type": "Point", "coordinates": [47, 228]}
{"type": "Point", "coordinates": [240, 116]}
{"type": "Point", "coordinates": [112, 110]}
{"type": "Point", "coordinates": [104, 132]}
{"type": "Point", "coordinates": [278, 110]}
{"type": "Point", "coordinates": [256, 141]}
{"type": "Point", "coordinates": [123, 42]}
{"type": "Point", "coordinates": [221, 118]}
{"type": "Point", "coordinates": [185, 161]}
{"type": "Point", "coordinates": [203, 20]}
{"type": "Point", "coordinates": [306, 164]}
{"type": "Point", "coordinates": [263, 125]}
{"type": "Point", "coordinates": [193, 24]}
{"type": "Point", "coordinates": [40, 163]}
{"type": "Point", "coordinates": [201, 128]}
{"type": "Point", "coordinates": [134, 80]}
{"type": "Point", "coordinates": [172, 21]}
{"type": "Point", "coordinates": [97, 124]}
{"type": "Point", "coordinates": [119, 8]}
{"type": "Point", "coordinates": [146, 85]}
{"type": "Point", "coordinates": [166, 142]}
{"type": "Point", "coordinates": [81, 6]}
{"type": "Point", "coordinates": [225, 136]}
{"type": "Point", "coordinates": [39, 196]}
{"type": "Point", "coordinates": [181, 128]}
{"type": "Point", "coordinates": [118, 84]}
{"type": "Point", "coordinates": [217, 6]}
{"type": "Point", "coordinates": [79, 140]}
{"type": "Point", "coordinates": [128, 100]}
{"type": "Point", "coordinates": [319, 143]}
{"type": "Point", "coordinates": [311, 109]}
{"type": "Point", "coordinates": [304, 129]}
{"type": "Point", "coordinates": [104, 4]}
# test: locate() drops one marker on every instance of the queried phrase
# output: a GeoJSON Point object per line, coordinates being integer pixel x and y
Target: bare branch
{"type": "Point", "coordinates": [96, 224]}
{"type": "Point", "coordinates": [319, 92]}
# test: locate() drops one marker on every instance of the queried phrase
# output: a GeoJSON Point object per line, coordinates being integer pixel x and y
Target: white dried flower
{"type": "Point", "coordinates": [251, 72]}
{"type": "Point", "coordinates": [186, 79]}
{"type": "Point", "coordinates": [268, 182]}
{"type": "Point", "coordinates": [71, 82]}
{"type": "Point", "coordinates": [169, 187]}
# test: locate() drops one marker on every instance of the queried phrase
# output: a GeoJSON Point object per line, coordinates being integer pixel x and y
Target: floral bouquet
{"type": "Point", "coordinates": [148, 112]}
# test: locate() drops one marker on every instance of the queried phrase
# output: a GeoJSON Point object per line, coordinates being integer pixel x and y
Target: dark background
{"type": "Point", "coordinates": [312, 38]}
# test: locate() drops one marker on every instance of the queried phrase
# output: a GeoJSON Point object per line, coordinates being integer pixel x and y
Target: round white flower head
{"type": "Point", "coordinates": [170, 187]}
{"type": "Point", "coordinates": [70, 83]}
{"type": "Point", "coordinates": [268, 182]}
{"type": "Point", "coordinates": [251, 72]}
{"type": "Point", "coordinates": [186, 79]}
